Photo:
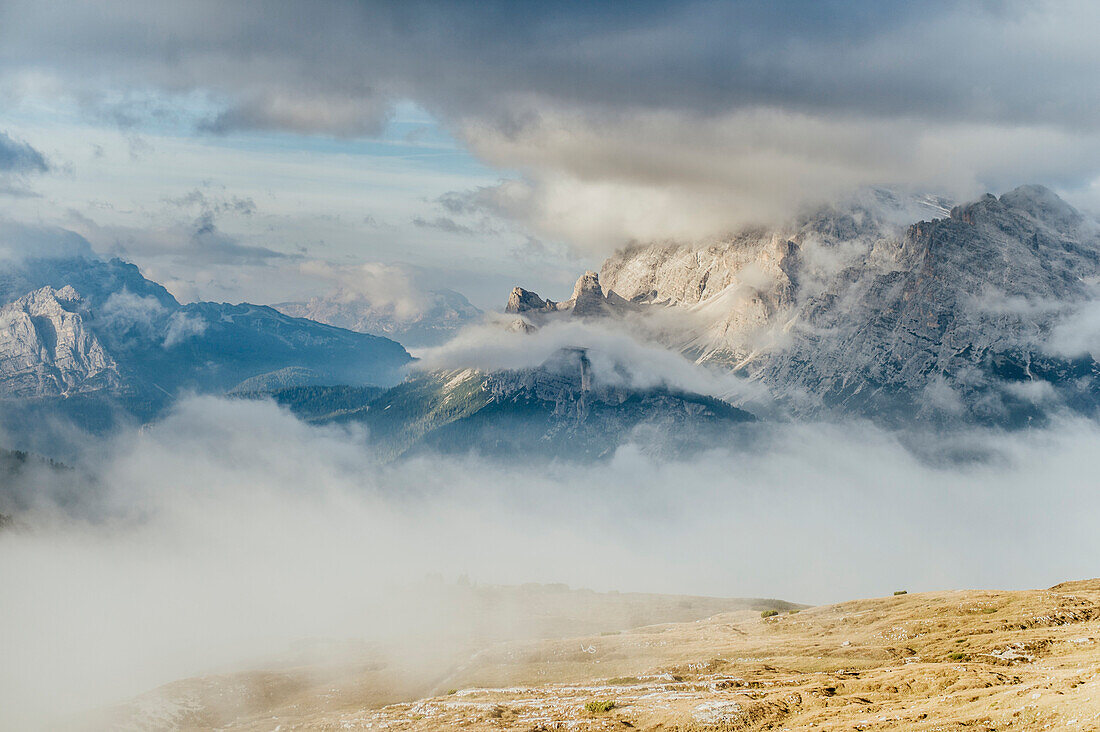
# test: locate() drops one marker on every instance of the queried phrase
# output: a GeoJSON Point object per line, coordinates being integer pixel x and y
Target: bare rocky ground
{"type": "Point", "coordinates": [966, 660]}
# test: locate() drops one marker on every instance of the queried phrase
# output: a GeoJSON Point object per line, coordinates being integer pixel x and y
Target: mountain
{"type": "Point", "coordinates": [440, 315]}
{"type": "Point", "coordinates": [851, 312]}
{"type": "Point", "coordinates": [94, 339]}
{"type": "Point", "coordinates": [588, 299]}
{"type": "Point", "coordinates": [557, 410]}
{"type": "Point", "coordinates": [46, 350]}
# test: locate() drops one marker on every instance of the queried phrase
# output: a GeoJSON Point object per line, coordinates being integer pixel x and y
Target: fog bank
{"type": "Point", "coordinates": [230, 530]}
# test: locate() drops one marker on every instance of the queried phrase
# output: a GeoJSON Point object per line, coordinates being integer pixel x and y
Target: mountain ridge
{"type": "Point", "coordinates": [847, 312]}
{"type": "Point", "coordinates": [94, 339]}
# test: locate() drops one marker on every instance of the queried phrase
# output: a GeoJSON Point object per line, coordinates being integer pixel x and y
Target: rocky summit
{"type": "Point", "coordinates": [46, 350]}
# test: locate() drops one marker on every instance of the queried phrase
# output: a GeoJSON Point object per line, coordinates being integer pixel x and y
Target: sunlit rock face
{"type": "Point", "coordinates": [46, 350]}
{"type": "Point", "coordinates": [589, 299]}
{"type": "Point", "coordinates": [859, 310]}
{"type": "Point", "coordinates": [952, 319]}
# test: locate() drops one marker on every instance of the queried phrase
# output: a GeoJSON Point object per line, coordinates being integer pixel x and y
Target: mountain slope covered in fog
{"type": "Point", "coordinates": [555, 410]}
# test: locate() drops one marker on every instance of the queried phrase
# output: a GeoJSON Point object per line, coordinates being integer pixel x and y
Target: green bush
{"type": "Point", "coordinates": [769, 613]}
{"type": "Point", "coordinates": [599, 707]}
{"type": "Point", "coordinates": [956, 656]}
{"type": "Point", "coordinates": [901, 592]}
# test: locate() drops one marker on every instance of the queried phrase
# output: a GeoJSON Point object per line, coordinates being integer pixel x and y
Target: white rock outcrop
{"type": "Point", "coordinates": [46, 350]}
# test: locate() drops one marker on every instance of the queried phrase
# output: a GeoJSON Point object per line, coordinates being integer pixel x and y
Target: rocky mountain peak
{"type": "Point", "coordinates": [1043, 204]}
{"type": "Point", "coordinates": [522, 301]}
{"type": "Point", "coordinates": [589, 299]}
{"type": "Point", "coordinates": [67, 294]}
{"type": "Point", "coordinates": [1034, 202]}
{"type": "Point", "coordinates": [869, 313]}
{"type": "Point", "coordinates": [588, 295]}
{"type": "Point", "coordinates": [46, 348]}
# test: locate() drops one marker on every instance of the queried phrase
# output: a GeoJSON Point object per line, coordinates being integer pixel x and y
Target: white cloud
{"type": "Point", "coordinates": [182, 326]}
{"type": "Point", "coordinates": [620, 355]}
{"type": "Point", "coordinates": [1078, 333]}
{"type": "Point", "coordinates": [381, 285]}
{"type": "Point", "coordinates": [124, 309]}
{"type": "Point", "coordinates": [601, 178]}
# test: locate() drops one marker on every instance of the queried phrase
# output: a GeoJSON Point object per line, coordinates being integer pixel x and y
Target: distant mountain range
{"type": "Point", "coordinates": [437, 319]}
{"type": "Point", "coordinates": [93, 338]}
{"type": "Point", "coordinates": [983, 313]}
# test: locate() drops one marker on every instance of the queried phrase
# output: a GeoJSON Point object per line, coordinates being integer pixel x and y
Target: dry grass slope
{"type": "Point", "coordinates": [969, 661]}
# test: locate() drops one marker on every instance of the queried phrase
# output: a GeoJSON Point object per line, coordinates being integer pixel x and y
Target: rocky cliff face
{"type": "Point", "coordinates": [46, 350]}
{"type": "Point", "coordinates": [849, 310]}
{"type": "Point", "coordinates": [950, 320]}
{"type": "Point", "coordinates": [589, 299]}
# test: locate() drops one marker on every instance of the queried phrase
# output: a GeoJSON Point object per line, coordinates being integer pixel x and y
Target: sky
{"type": "Point", "coordinates": [261, 152]}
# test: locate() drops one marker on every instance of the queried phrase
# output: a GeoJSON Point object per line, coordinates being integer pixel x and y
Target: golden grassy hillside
{"type": "Point", "coordinates": [966, 660]}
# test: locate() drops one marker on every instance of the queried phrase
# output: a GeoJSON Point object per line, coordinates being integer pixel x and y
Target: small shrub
{"type": "Point", "coordinates": [768, 613]}
{"type": "Point", "coordinates": [957, 656]}
{"type": "Point", "coordinates": [599, 707]}
{"type": "Point", "coordinates": [901, 592]}
{"type": "Point", "coordinates": [988, 610]}
{"type": "Point", "coordinates": [793, 612]}
{"type": "Point", "coordinates": [452, 692]}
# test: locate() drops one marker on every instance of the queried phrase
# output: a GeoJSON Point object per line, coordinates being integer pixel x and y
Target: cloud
{"type": "Point", "coordinates": [198, 242]}
{"type": "Point", "coordinates": [229, 530]}
{"type": "Point", "coordinates": [382, 285]}
{"type": "Point", "coordinates": [124, 310]}
{"type": "Point", "coordinates": [214, 204]}
{"type": "Point", "coordinates": [601, 178]}
{"type": "Point", "coordinates": [626, 120]}
{"type": "Point", "coordinates": [620, 356]}
{"type": "Point", "coordinates": [442, 223]}
{"type": "Point", "coordinates": [19, 157]}
{"type": "Point", "coordinates": [18, 160]}
{"type": "Point", "coordinates": [295, 111]}
{"type": "Point", "coordinates": [182, 326]}
{"type": "Point", "coordinates": [1003, 61]}
{"type": "Point", "coordinates": [20, 241]}
{"type": "Point", "coordinates": [1077, 333]}
{"type": "Point", "coordinates": [212, 246]}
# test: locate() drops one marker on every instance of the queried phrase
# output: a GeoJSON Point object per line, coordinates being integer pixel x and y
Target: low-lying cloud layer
{"type": "Point", "coordinates": [230, 530]}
